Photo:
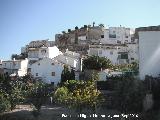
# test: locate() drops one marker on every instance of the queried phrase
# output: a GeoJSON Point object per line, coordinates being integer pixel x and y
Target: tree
{"type": "Point", "coordinates": [4, 102]}
{"type": "Point", "coordinates": [76, 28]}
{"type": "Point", "coordinates": [78, 94]}
{"type": "Point", "coordinates": [72, 74]}
{"type": "Point", "coordinates": [129, 95]}
{"type": "Point", "coordinates": [96, 63]}
{"type": "Point", "coordinates": [69, 30]}
{"type": "Point", "coordinates": [16, 95]}
{"type": "Point", "coordinates": [67, 75]}
{"type": "Point", "coordinates": [11, 92]}
{"type": "Point", "coordinates": [101, 25]}
{"type": "Point", "coordinates": [85, 26]}
{"type": "Point", "coordinates": [38, 95]}
{"type": "Point", "coordinates": [64, 32]}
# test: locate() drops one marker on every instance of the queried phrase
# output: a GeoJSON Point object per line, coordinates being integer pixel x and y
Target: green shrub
{"type": "Point", "coordinates": [4, 102]}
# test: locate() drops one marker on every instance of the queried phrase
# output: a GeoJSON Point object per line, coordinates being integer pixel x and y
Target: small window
{"type": "Point", "coordinates": [119, 42]}
{"type": "Point", "coordinates": [5, 64]}
{"type": "Point", "coordinates": [53, 73]}
{"type": "Point", "coordinates": [36, 74]}
{"type": "Point", "coordinates": [102, 36]}
{"type": "Point", "coordinates": [111, 52]}
{"type": "Point", "coordinates": [43, 51]}
{"type": "Point", "coordinates": [126, 40]}
{"type": "Point", "coordinates": [126, 36]}
{"type": "Point", "coordinates": [112, 35]}
{"type": "Point", "coordinates": [132, 58]}
{"type": "Point", "coordinates": [124, 56]}
{"type": "Point", "coordinates": [52, 63]}
{"type": "Point", "coordinates": [38, 63]}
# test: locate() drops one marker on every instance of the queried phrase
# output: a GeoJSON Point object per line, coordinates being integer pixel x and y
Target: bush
{"type": "Point", "coordinates": [79, 94]}
{"type": "Point", "coordinates": [38, 95]}
{"type": "Point", "coordinates": [130, 94]}
{"type": "Point", "coordinates": [4, 102]}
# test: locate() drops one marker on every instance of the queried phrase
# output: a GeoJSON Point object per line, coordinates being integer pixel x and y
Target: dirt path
{"type": "Point", "coordinates": [24, 112]}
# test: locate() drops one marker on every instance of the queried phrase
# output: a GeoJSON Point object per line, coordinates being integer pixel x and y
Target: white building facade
{"type": "Point", "coordinates": [18, 67]}
{"type": "Point", "coordinates": [48, 70]}
{"type": "Point", "coordinates": [117, 35]}
{"type": "Point", "coordinates": [118, 54]}
{"type": "Point", "coordinates": [149, 53]}
{"type": "Point", "coordinates": [42, 52]}
{"type": "Point", "coordinates": [71, 59]}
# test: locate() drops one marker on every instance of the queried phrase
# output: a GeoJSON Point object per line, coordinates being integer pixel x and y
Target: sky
{"type": "Point", "coordinates": [22, 21]}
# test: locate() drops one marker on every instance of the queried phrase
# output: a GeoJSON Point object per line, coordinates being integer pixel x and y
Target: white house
{"type": "Point", "coordinates": [118, 54]}
{"type": "Point", "coordinates": [149, 53]}
{"type": "Point", "coordinates": [47, 70]}
{"type": "Point", "coordinates": [117, 35]}
{"type": "Point", "coordinates": [70, 58]}
{"type": "Point", "coordinates": [1, 68]}
{"type": "Point", "coordinates": [133, 53]}
{"type": "Point", "coordinates": [42, 52]}
{"type": "Point", "coordinates": [18, 67]}
{"type": "Point", "coordinates": [37, 44]}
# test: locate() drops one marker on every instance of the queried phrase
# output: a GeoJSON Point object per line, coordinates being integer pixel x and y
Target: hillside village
{"type": "Point", "coordinates": [91, 68]}
{"type": "Point", "coordinates": [45, 59]}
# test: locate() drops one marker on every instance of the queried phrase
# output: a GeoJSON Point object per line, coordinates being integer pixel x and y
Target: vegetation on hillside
{"type": "Point", "coordinates": [96, 63]}
{"type": "Point", "coordinates": [79, 94]}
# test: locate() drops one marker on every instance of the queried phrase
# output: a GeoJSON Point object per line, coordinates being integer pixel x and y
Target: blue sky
{"type": "Point", "coordinates": [22, 21]}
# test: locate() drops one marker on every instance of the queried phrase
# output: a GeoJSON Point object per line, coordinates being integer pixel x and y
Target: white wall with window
{"type": "Point", "coordinates": [48, 70]}
{"type": "Point", "coordinates": [70, 58]}
{"type": "Point", "coordinates": [115, 52]}
{"type": "Point", "coordinates": [43, 52]}
{"type": "Point", "coordinates": [18, 67]}
{"type": "Point", "coordinates": [117, 35]}
{"type": "Point", "coordinates": [110, 53]}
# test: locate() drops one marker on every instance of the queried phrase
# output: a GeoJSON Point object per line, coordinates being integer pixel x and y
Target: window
{"type": "Point", "coordinates": [124, 56]}
{"type": "Point", "coordinates": [38, 63]}
{"type": "Point", "coordinates": [132, 58]}
{"type": "Point", "coordinates": [111, 52]}
{"type": "Point", "coordinates": [53, 73]}
{"type": "Point", "coordinates": [5, 64]}
{"type": "Point", "coordinates": [112, 35]}
{"type": "Point", "coordinates": [126, 36]}
{"type": "Point", "coordinates": [126, 40]}
{"type": "Point", "coordinates": [52, 63]}
{"type": "Point", "coordinates": [36, 74]}
{"type": "Point", "coordinates": [102, 36]}
{"type": "Point", "coordinates": [119, 42]}
{"type": "Point", "coordinates": [43, 51]}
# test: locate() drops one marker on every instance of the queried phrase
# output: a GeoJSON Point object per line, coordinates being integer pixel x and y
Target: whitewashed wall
{"type": "Point", "coordinates": [44, 68]}
{"type": "Point", "coordinates": [149, 53]}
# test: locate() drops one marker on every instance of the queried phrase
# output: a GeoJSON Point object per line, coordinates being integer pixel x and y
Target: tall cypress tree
{"type": "Point", "coordinates": [67, 75]}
